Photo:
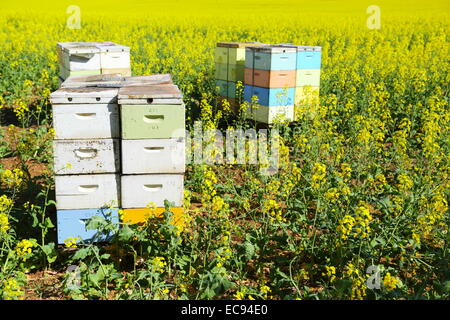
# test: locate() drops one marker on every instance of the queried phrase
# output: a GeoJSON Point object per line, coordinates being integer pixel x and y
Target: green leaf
{"type": "Point", "coordinates": [125, 233]}
{"type": "Point", "coordinates": [50, 252]}
{"type": "Point", "coordinates": [81, 254]}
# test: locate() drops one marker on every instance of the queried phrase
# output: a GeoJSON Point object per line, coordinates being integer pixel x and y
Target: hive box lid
{"type": "Point", "coordinates": [300, 48]}
{"type": "Point", "coordinates": [112, 47]}
{"type": "Point", "coordinates": [78, 47]}
{"type": "Point", "coordinates": [84, 95]}
{"type": "Point", "coordinates": [272, 49]}
{"type": "Point", "coordinates": [91, 47]}
{"type": "Point", "coordinates": [150, 94]}
{"type": "Point", "coordinates": [115, 80]}
{"type": "Point", "coordinates": [240, 44]}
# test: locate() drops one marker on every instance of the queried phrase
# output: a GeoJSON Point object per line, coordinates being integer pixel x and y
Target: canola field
{"type": "Point", "coordinates": [357, 210]}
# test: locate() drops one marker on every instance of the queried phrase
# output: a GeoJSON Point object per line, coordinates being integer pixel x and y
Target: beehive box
{"type": "Point", "coordinates": [268, 115]}
{"type": "Point", "coordinates": [87, 191]}
{"type": "Point", "coordinates": [138, 191]}
{"type": "Point", "coordinates": [152, 112]}
{"type": "Point", "coordinates": [308, 77]}
{"type": "Point", "coordinates": [85, 113]}
{"type": "Point", "coordinates": [72, 223]}
{"type": "Point", "coordinates": [270, 58]}
{"type": "Point", "coordinates": [270, 78]}
{"type": "Point", "coordinates": [85, 121]}
{"type": "Point", "coordinates": [86, 156]}
{"type": "Point", "coordinates": [141, 215]}
{"type": "Point", "coordinates": [93, 58]}
{"type": "Point", "coordinates": [153, 156]}
{"type": "Point", "coordinates": [270, 96]}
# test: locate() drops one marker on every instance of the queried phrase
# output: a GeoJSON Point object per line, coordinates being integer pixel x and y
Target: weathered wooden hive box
{"type": "Point", "coordinates": [92, 58]}
{"type": "Point", "coordinates": [86, 156]}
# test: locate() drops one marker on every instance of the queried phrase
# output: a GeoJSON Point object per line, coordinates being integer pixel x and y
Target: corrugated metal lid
{"type": "Point", "coordinates": [155, 91]}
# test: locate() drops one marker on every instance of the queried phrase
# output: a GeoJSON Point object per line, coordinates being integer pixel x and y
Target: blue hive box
{"type": "Point", "coordinates": [270, 97]}
{"type": "Point", "coordinates": [72, 223]}
{"type": "Point", "coordinates": [270, 58]}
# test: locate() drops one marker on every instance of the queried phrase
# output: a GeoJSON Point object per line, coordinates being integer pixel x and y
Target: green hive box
{"type": "Point", "coordinates": [151, 112]}
{"type": "Point", "coordinates": [152, 121]}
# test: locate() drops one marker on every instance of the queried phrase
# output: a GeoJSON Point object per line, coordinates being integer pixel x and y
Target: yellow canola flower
{"type": "Point", "coordinates": [71, 242]}
{"type": "Point", "coordinates": [390, 282]}
{"type": "Point", "coordinates": [24, 248]}
{"type": "Point", "coordinates": [12, 290]}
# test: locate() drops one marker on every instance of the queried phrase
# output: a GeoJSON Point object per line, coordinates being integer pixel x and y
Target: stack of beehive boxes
{"type": "Point", "coordinates": [229, 68]}
{"type": "Point", "coordinates": [91, 58]}
{"type": "Point", "coordinates": [307, 84]}
{"type": "Point", "coordinates": [109, 156]}
{"type": "Point", "coordinates": [153, 150]}
{"type": "Point", "coordinates": [270, 73]}
{"type": "Point", "coordinates": [86, 157]}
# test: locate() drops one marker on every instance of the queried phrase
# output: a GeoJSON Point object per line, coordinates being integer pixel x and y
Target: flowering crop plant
{"type": "Point", "coordinates": [358, 208]}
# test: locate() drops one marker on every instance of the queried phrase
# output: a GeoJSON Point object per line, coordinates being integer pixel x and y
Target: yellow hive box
{"type": "Point", "coordinates": [141, 215]}
{"type": "Point", "coordinates": [306, 101]}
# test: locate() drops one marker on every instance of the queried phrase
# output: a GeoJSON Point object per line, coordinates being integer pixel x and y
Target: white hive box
{"type": "Point", "coordinates": [86, 121]}
{"type": "Point", "coordinates": [153, 156]}
{"type": "Point", "coordinates": [87, 191]}
{"type": "Point", "coordinates": [93, 58]}
{"type": "Point", "coordinates": [114, 57]}
{"type": "Point", "coordinates": [79, 56]}
{"type": "Point", "coordinates": [85, 113]}
{"type": "Point", "coordinates": [140, 190]}
{"type": "Point", "coordinates": [86, 156]}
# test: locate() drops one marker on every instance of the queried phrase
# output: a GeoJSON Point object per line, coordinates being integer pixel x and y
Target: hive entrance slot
{"type": "Point", "coordinates": [152, 187]}
{"type": "Point", "coordinates": [153, 118]}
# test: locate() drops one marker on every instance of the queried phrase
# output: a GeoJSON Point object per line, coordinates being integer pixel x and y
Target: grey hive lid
{"type": "Point", "coordinates": [91, 47]}
{"type": "Point", "coordinates": [240, 44]}
{"type": "Point", "coordinates": [155, 91]}
{"type": "Point", "coordinates": [100, 80]}
{"type": "Point", "coordinates": [300, 48]}
{"type": "Point", "coordinates": [272, 49]}
{"type": "Point", "coordinates": [112, 47]}
{"type": "Point", "coordinates": [154, 78]}
{"type": "Point", "coordinates": [115, 81]}
{"type": "Point", "coordinates": [84, 95]}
